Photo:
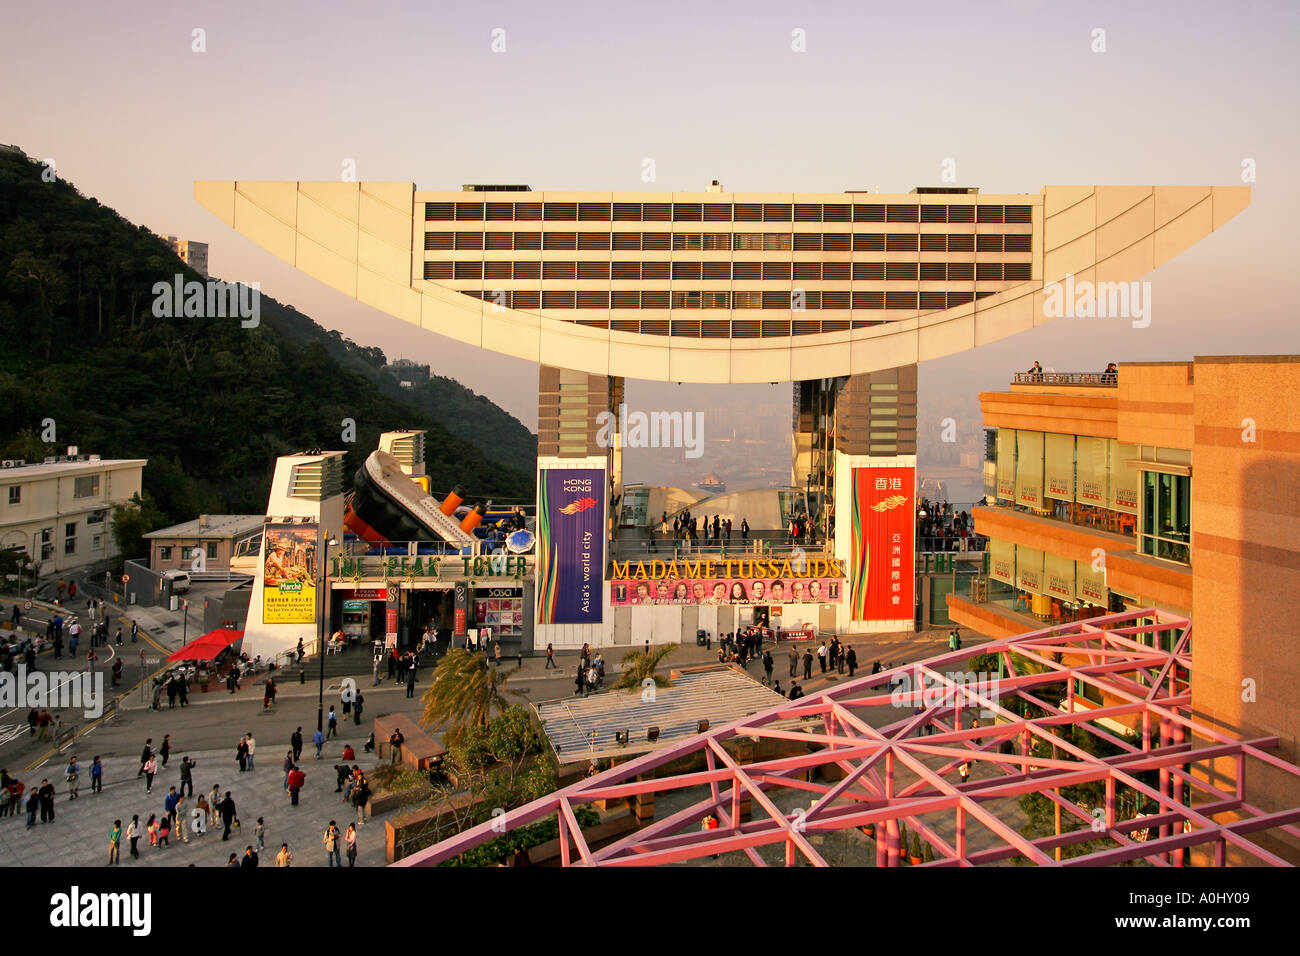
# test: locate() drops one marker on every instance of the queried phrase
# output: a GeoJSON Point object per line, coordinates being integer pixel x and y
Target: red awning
{"type": "Point", "coordinates": [208, 646]}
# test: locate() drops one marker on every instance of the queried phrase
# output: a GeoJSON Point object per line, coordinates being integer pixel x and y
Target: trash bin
{"type": "Point", "coordinates": [701, 637]}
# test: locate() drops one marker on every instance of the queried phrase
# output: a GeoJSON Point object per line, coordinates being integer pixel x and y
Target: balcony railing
{"type": "Point", "coordinates": [1085, 379]}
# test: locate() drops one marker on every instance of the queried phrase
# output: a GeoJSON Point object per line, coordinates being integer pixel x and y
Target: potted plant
{"type": "Point", "coordinates": [915, 855]}
{"type": "Point", "coordinates": [869, 830]}
{"type": "Point", "coordinates": [928, 855]}
{"type": "Point", "coordinates": [902, 841]}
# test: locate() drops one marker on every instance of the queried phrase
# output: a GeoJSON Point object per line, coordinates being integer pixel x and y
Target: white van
{"type": "Point", "coordinates": [180, 581]}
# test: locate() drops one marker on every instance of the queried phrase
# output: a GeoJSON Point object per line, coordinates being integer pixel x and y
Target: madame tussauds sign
{"type": "Point", "coordinates": [731, 568]}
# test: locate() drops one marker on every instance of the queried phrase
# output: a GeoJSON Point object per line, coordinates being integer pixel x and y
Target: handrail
{"type": "Point", "coordinates": [1097, 379]}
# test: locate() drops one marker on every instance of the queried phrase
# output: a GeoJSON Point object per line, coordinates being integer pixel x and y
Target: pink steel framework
{"type": "Point", "coordinates": [908, 770]}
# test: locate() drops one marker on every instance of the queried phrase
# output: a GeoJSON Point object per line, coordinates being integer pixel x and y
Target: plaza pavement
{"type": "Point", "coordinates": [79, 834]}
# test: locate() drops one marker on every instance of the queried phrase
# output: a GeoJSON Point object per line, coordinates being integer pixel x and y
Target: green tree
{"type": "Point", "coordinates": [639, 665]}
{"type": "Point", "coordinates": [464, 692]}
{"type": "Point", "coordinates": [132, 521]}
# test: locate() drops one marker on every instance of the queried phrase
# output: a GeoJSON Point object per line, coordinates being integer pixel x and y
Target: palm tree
{"type": "Point", "coordinates": [638, 665]}
{"type": "Point", "coordinates": [464, 691]}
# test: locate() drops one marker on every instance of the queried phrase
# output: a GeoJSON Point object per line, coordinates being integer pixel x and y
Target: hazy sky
{"type": "Point", "coordinates": [1012, 91]}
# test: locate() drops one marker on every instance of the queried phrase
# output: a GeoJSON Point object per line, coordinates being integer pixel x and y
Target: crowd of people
{"type": "Point", "coordinates": [939, 527]}
{"type": "Point", "coordinates": [182, 817]}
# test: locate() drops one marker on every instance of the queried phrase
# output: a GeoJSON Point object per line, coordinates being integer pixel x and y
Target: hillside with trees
{"type": "Point", "coordinates": [210, 403]}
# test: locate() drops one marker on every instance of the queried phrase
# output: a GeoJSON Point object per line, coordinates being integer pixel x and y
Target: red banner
{"type": "Point", "coordinates": [884, 528]}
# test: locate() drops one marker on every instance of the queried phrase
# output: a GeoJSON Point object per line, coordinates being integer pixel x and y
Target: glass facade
{"type": "Point", "coordinates": [1166, 516]}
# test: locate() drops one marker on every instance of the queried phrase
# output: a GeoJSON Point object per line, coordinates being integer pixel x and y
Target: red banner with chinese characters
{"type": "Point", "coordinates": [884, 528]}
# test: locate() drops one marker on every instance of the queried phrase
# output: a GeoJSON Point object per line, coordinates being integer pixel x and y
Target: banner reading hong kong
{"type": "Point", "coordinates": [570, 545]}
{"type": "Point", "coordinates": [289, 574]}
{"type": "Point", "coordinates": [884, 527]}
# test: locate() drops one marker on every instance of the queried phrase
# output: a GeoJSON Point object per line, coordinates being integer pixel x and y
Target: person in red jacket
{"type": "Point", "coordinates": [296, 779]}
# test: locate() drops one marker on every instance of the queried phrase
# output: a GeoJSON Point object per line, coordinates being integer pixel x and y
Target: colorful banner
{"type": "Point", "coordinates": [634, 591]}
{"type": "Point", "coordinates": [289, 573]}
{"type": "Point", "coordinates": [884, 529]}
{"type": "Point", "coordinates": [570, 545]}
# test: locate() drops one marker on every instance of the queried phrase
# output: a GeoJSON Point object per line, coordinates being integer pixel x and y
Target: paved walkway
{"type": "Point", "coordinates": [79, 834]}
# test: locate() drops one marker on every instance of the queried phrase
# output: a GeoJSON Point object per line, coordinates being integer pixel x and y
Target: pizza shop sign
{"type": "Point", "coordinates": [489, 566]}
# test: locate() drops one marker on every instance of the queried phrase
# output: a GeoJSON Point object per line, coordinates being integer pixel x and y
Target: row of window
{"type": "Point", "coordinates": [725, 241]}
{"type": "Point", "coordinates": [86, 486]}
{"type": "Point", "coordinates": [70, 534]}
{"type": "Point", "coordinates": [779, 271]}
{"type": "Point", "coordinates": [721, 212]}
{"type": "Point", "coordinates": [796, 300]}
{"type": "Point", "coordinates": [188, 553]}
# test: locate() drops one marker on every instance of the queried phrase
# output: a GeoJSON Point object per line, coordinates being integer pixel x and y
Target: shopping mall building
{"type": "Point", "coordinates": [841, 294]}
{"type": "Point", "coordinates": [1169, 484]}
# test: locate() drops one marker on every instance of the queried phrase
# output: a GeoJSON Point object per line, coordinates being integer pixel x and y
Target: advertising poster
{"type": "Point", "coordinates": [570, 545]}
{"type": "Point", "coordinates": [884, 529]}
{"type": "Point", "coordinates": [289, 574]}
{"type": "Point", "coordinates": [764, 591]}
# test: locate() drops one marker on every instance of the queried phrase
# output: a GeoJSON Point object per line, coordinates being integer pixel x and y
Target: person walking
{"type": "Point", "coordinates": [332, 850]}
{"type": "Point", "coordinates": [807, 665]}
{"type": "Point", "coordinates": [241, 754]}
{"type": "Point", "coordinates": [260, 832]}
{"type": "Point", "coordinates": [151, 828]}
{"type": "Point", "coordinates": [165, 749]}
{"type": "Point", "coordinates": [767, 667]}
{"type": "Point", "coordinates": [288, 765]}
{"type": "Point", "coordinates": [73, 775]}
{"type": "Point", "coordinates": [252, 748]}
{"type": "Point", "coordinates": [96, 776]}
{"type": "Point", "coordinates": [350, 841]}
{"type": "Point", "coordinates": [332, 722]}
{"type": "Point", "coordinates": [284, 857]}
{"type": "Point", "coordinates": [214, 804]}
{"type": "Point", "coordinates": [133, 835]}
{"type": "Point", "coordinates": [46, 794]}
{"type": "Point", "coordinates": [410, 675]}
{"type": "Point", "coordinates": [318, 739]}
{"type": "Point", "coordinates": [187, 775]}
{"type": "Point", "coordinates": [356, 707]}
{"type": "Point", "coordinates": [169, 802]}
{"type": "Point", "coordinates": [296, 779]}
{"type": "Point", "coordinates": [794, 662]}
{"type": "Point", "coordinates": [199, 816]}
{"type": "Point", "coordinates": [295, 744]}
{"type": "Point", "coordinates": [360, 797]}
{"type": "Point", "coordinates": [135, 631]}
{"type": "Point", "coordinates": [550, 657]}
{"type": "Point", "coordinates": [115, 843]}
{"type": "Point", "coordinates": [851, 658]}
{"type": "Point", "coordinates": [250, 859]}
{"type": "Point", "coordinates": [145, 755]}
{"type": "Point", "coordinates": [33, 804]}
{"type": "Point", "coordinates": [150, 768]}
{"type": "Point", "coordinates": [180, 814]}
{"type": "Point", "coordinates": [821, 656]}
{"type": "Point", "coordinates": [227, 810]}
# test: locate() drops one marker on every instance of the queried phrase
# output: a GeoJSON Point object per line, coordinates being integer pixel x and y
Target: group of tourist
{"type": "Point", "coordinates": [686, 527]}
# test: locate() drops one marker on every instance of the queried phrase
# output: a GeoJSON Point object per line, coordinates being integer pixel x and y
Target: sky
{"type": "Point", "coordinates": [118, 96]}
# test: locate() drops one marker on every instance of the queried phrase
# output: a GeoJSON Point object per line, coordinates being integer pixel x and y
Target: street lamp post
{"type": "Point", "coordinates": [326, 542]}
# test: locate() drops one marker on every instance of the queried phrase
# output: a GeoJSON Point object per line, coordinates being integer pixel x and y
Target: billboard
{"type": "Point", "coordinates": [884, 530]}
{"type": "Point", "coordinates": [570, 545]}
{"type": "Point", "coordinates": [289, 570]}
{"type": "Point", "coordinates": [764, 591]}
